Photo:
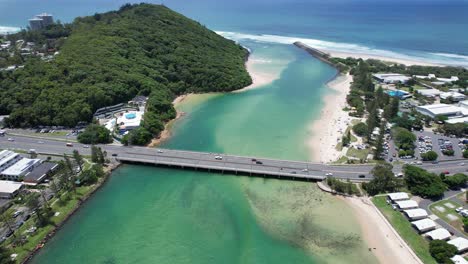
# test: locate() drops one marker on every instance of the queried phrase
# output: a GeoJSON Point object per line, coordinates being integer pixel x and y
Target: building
{"type": "Point", "coordinates": [39, 173]}
{"type": "Point", "coordinates": [7, 159]}
{"type": "Point", "coordinates": [460, 243]}
{"type": "Point", "coordinates": [398, 196]}
{"type": "Point", "coordinates": [452, 96]}
{"type": "Point", "coordinates": [457, 259]}
{"type": "Point", "coordinates": [429, 92]}
{"type": "Point", "coordinates": [138, 100]}
{"type": "Point", "coordinates": [424, 225]}
{"type": "Point", "coordinates": [439, 234]}
{"type": "Point", "coordinates": [20, 169]}
{"type": "Point", "coordinates": [439, 80]}
{"type": "Point", "coordinates": [399, 93]}
{"type": "Point", "coordinates": [129, 121]}
{"type": "Point", "coordinates": [408, 204]}
{"type": "Point", "coordinates": [415, 214]}
{"type": "Point", "coordinates": [391, 78]}
{"type": "Point", "coordinates": [442, 110]}
{"type": "Point", "coordinates": [8, 189]}
{"type": "Point", "coordinates": [41, 21]}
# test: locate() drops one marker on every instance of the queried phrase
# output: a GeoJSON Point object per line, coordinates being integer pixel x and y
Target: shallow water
{"type": "Point", "coordinates": [156, 215]}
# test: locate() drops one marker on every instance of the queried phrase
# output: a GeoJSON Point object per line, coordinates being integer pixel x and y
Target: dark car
{"type": "Point", "coordinates": [362, 176]}
{"type": "Point", "coordinates": [254, 160]}
{"type": "Point", "coordinates": [258, 162]}
{"type": "Point", "coordinates": [114, 155]}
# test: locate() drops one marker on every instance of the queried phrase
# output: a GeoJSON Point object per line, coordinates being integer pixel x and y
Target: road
{"type": "Point", "coordinates": [51, 147]}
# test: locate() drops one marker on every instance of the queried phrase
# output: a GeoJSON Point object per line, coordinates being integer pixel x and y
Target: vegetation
{"type": "Point", "coordinates": [95, 134]}
{"type": "Point", "coordinates": [109, 58]}
{"type": "Point", "coordinates": [423, 183]}
{"type": "Point", "coordinates": [465, 224]}
{"type": "Point", "coordinates": [342, 187]}
{"type": "Point", "coordinates": [429, 156]}
{"type": "Point", "coordinates": [361, 129]}
{"type": "Point", "coordinates": [442, 251]}
{"type": "Point", "coordinates": [417, 242]}
{"type": "Point", "coordinates": [384, 180]}
{"type": "Point", "coordinates": [456, 181]}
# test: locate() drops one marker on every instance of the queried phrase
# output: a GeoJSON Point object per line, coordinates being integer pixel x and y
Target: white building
{"type": "Point", "coordinates": [391, 78]}
{"type": "Point", "coordinates": [416, 214]}
{"type": "Point", "coordinates": [130, 120]}
{"type": "Point", "coordinates": [441, 80]}
{"type": "Point", "coordinates": [8, 158]}
{"type": "Point", "coordinates": [452, 96]}
{"type": "Point", "coordinates": [9, 189]}
{"type": "Point", "coordinates": [442, 110]}
{"type": "Point", "coordinates": [409, 204]}
{"type": "Point", "coordinates": [429, 92]}
{"type": "Point", "coordinates": [424, 225]}
{"type": "Point", "coordinates": [439, 234]}
{"type": "Point", "coordinates": [398, 196]}
{"type": "Point", "coordinates": [20, 168]}
{"type": "Point", "coordinates": [457, 259]}
{"type": "Point", "coordinates": [460, 243]}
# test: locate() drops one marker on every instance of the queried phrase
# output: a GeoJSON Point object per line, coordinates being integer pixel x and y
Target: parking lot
{"type": "Point", "coordinates": [427, 140]}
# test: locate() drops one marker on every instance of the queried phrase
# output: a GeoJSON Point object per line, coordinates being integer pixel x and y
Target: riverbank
{"type": "Point", "coordinates": [328, 129]}
{"type": "Point", "coordinates": [380, 236]}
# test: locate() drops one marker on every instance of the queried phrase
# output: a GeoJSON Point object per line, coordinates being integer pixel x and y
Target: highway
{"type": "Point", "coordinates": [149, 155]}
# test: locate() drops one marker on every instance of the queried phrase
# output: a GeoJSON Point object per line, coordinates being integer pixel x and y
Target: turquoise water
{"type": "Point", "coordinates": [156, 215]}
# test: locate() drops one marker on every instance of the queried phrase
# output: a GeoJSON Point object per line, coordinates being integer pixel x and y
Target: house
{"type": "Point", "coordinates": [439, 234]}
{"type": "Point", "coordinates": [7, 159]}
{"type": "Point", "coordinates": [8, 189]}
{"type": "Point", "coordinates": [20, 169]}
{"type": "Point", "coordinates": [391, 78]}
{"type": "Point", "coordinates": [408, 204]}
{"type": "Point", "coordinates": [439, 80]}
{"type": "Point", "coordinates": [424, 225]}
{"type": "Point", "coordinates": [452, 96]}
{"type": "Point", "coordinates": [129, 121]}
{"type": "Point", "coordinates": [460, 243]}
{"type": "Point", "coordinates": [415, 214]}
{"type": "Point", "coordinates": [429, 92]}
{"type": "Point", "coordinates": [457, 259]}
{"type": "Point", "coordinates": [38, 174]}
{"type": "Point", "coordinates": [138, 100]}
{"type": "Point", "coordinates": [398, 196]}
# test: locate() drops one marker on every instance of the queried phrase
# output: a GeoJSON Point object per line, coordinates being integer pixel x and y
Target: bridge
{"type": "Point", "coordinates": [222, 163]}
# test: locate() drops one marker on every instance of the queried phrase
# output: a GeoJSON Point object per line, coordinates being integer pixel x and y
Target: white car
{"type": "Point", "coordinates": [159, 151]}
{"type": "Point", "coordinates": [40, 142]}
{"type": "Point", "coordinates": [218, 157]}
{"type": "Point", "coordinates": [459, 209]}
{"type": "Point", "coordinates": [11, 139]}
{"type": "Point", "coordinates": [328, 174]}
{"type": "Point", "coordinates": [85, 146]}
{"type": "Point", "coordinates": [464, 213]}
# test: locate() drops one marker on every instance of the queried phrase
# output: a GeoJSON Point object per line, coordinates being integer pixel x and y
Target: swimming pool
{"type": "Point", "coordinates": [130, 115]}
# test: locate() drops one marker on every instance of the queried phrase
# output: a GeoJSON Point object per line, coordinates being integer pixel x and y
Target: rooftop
{"type": "Point", "coordinates": [441, 109]}
{"type": "Point", "coordinates": [20, 167]}
{"type": "Point", "coordinates": [7, 156]}
{"type": "Point", "coordinates": [459, 242]}
{"type": "Point", "coordinates": [398, 196]}
{"type": "Point", "coordinates": [9, 186]}
{"type": "Point", "coordinates": [416, 213]}
{"type": "Point", "coordinates": [457, 259]}
{"type": "Point", "coordinates": [407, 204]}
{"type": "Point", "coordinates": [424, 224]}
{"type": "Point", "coordinates": [40, 172]}
{"type": "Point", "coordinates": [439, 234]}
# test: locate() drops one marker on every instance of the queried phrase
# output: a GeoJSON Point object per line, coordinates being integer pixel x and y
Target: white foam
{"type": "Point", "coordinates": [435, 58]}
{"type": "Point", "coordinates": [5, 30]}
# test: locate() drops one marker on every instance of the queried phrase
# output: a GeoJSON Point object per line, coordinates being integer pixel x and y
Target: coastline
{"type": "Point", "coordinates": [379, 235]}
{"type": "Point", "coordinates": [328, 129]}
{"type": "Point", "coordinates": [407, 62]}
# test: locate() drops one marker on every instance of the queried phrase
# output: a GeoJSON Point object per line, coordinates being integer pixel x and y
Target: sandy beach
{"type": "Point", "coordinates": [258, 78]}
{"type": "Point", "coordinates": [407, 62]}
{"type": "Point", "coordinates": [380, 236]}
{"type": "Point", "coordinates": [329, 128]}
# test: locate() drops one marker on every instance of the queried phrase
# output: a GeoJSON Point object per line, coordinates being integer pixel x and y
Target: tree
{"type": "Point", "coordinates": [448, 152]}
{"type": "Point", "coordinates": [5, 256]}
{"type": "Point", "coordinates": [95, 134]}
{"type": "Point", "coordinates": [384, 180]}
{"type": "Point", "coordinates": [360, 129]}
{"type": "Point", "coordinates": [423, 183]}
{"type": "Point", "coordinates": [465, 223]}
{"type": "Point", "coordinates": [78, 159]}
{"type": "Point", "coordinates": [456, 181]}
{"type": "Point", "coordinates": [429, 156]}
{"type": "Point", "coordinates": [346, 139]}
{"type": "Point", "coordinates": [465, 154]}
{"type": "Point", "coordinates": [94, 154]}
{"type": "Point", "coordinates": [139, 136]}
{"type": "Point", "coordinates": [442, 251]}
{"type": "Point", "coordinates": [403, 138]}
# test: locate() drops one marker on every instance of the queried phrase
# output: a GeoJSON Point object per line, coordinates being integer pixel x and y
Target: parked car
{"type": "Point", "coordinates": [362, 176]}
{"type": "Point", "coordinates": [218, 157]}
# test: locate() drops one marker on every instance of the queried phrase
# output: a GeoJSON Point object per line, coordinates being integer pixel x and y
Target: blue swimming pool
{"type": "Point", "coordinates": [130, 115]}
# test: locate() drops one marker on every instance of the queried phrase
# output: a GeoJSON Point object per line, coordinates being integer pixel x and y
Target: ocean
{"type": "Point", "coordinates": [427, 30]}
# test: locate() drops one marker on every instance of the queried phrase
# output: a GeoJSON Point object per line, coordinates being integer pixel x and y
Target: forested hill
{"type": "Point", "coordinates": [109, 58]}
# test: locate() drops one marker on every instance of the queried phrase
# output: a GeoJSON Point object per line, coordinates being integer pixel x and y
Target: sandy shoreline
{"type": "Point", "coordinates": [380, 236]}
{"type": "Point", "coordinates": [407, 62]}
{"type": "Point", "coordinates": [332, 123]}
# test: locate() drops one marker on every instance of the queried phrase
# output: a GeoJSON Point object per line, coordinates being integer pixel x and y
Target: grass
{"type": "Point", "coordinates": [458, 224]}
{"type": "Point", "coordinates": [417, 242]}
{"type": "Point", "coordinates": [358, 153]}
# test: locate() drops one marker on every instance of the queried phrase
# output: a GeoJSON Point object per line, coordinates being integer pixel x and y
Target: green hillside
{"type": "Point", "coordinates": [109, 58]}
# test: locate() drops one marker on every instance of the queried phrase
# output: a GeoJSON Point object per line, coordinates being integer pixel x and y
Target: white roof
{"type": "Point", "coordinates": [130, 122]}
{"type": "Point", "coordinates": [9, 186]}
{"type": "Point", "coordinates": [398, 196]}
{"type": "Point", "coordinates": [452, 94]}
{"type": "Point", "coordinates": [441, 109]}
{"type": "Point", "coordinates": [457, 120]}
{"type": "Point", "coordinates": [20, 167]}
{"type": "Point", "coordinates": [392, 77]}
{"type": "Point", "coordinates": [457, 259]}
{"type": "Point", "coordinates": [459, 242]}
{"type": "Point", "coordinates": [6, 156]}
{"type": "Point", "coordinates": [418, 212]}
{"type": "Point", "coordinates": [424, 224]}
{"type": "Point", "coordinates": [439, 233]}
{"type": "Point", "coordinates": [407, 204]}
{"type": "Point", "coordinates": [427, 92]}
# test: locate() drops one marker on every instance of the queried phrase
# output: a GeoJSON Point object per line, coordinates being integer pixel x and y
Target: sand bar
{"type": "Point", "coordinates": [408, 62]}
